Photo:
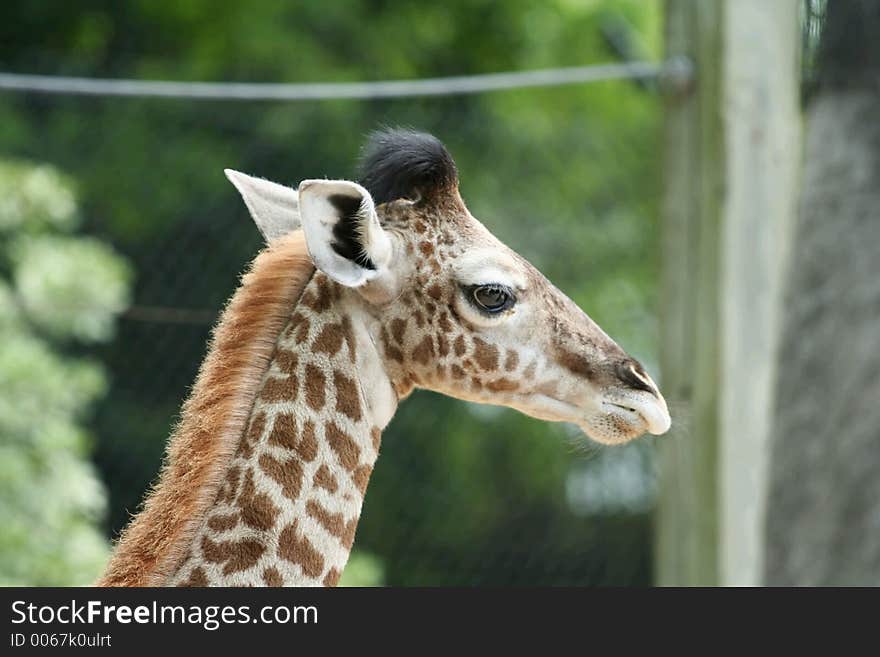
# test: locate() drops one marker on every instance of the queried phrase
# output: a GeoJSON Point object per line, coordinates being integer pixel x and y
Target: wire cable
{"type": "Point", "coordinates": [231, 91]}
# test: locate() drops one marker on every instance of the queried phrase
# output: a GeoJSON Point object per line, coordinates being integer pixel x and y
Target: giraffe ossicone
{"type": "Point", "coordinates": [365, 291]}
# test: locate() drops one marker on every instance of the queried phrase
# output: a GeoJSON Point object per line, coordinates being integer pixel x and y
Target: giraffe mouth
{"type": "Point", "coordinates": [615, 418]}
{"type": "Point", "coordinates": [645, 412]}
{"type": "Point", "coordinates": [619, 417]}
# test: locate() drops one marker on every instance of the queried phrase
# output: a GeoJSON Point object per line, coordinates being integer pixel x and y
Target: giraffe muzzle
{"type": "Point", "coordinates": [652, 414]}
{"type": "Point", "coordinates": [638, 401]}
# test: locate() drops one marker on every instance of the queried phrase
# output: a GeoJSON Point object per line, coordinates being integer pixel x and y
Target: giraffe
{"type": "Point", "coordinates": [364, 292]}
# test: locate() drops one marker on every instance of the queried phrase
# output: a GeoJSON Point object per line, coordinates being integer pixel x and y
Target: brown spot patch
{"type": "Point", "coordinates": [476, 384]}
{"type": "Point", "coordinates": [286, 361]}
{"type": "Point", "coordinates": [257, 509]}
{"type": "Point", "coordinates": [236, 555]}
{"type": "Point", "coordinates": [284, 434]}
{"type": "Point", "coordinates": [419, 317]}
{"type": "Point", "coordinates": [320, 296]}
{"type": "Point", "coordinates": [424, 351]}
{"type": "Point", "coordinates": [502, 385]}
{"type": "Point", "coordinates": [271, 577]}
{"type": "Point", "coordinates": [259, 513]}
{"type": "Point", "coordinates": [287, 474]}
{"type": "Point", "coordinates": [302, 331]}
{"type": "Point", "coordinates": [457, 372]}
{"type": "Point", "coordinates": [283, 431]}
{"type": "Point", "coordinates": [298, 550]}
{"type": "Point", "coordinates": [315, 385]}
{"type": "Point", "coordinates": [276, 390]}
{"type": "Point", "coordinates": [255, 431]}
{"type": "Point", "coordinates": [575, 363]}
{"type": "Point", "coordinates": [530, 371]}
{"type": "Point", "coordinates": [485, 354]}
{"type": "Point", "coordinates": [348, 336]}
{"type": "Point", "coordinates": [252, 437]}
{"type": "Point", "coordinates": [348, 401]}
{"type": "Point", "coordinates": [325, 479]}
{"type": "Point", "coordinates": [332, 577]}
{"type": "Point", "coordinates": [223, 522]}
{"type": "Point", "coordinates": [294, 322]}
{"type": "Point", "coordinates": [394, 353]}
{"type": "Point", "coordinates": [459, 346]}
{"type": "Point", "coordinates": [329, 340]}
{"type": "Point", "coordinates": [398, 328]}
{"type": "Point", "coordinates": [340, 442]}
{"type": "Point", "coordinates": [361, 477]}
{"type": "Point", "coordinates": [511, 361]}
{"type": "Point", "coordinates": [426, 248]}
{"type": "Point", "coordinates": [247, 486]}
{"type": "Point", "coordinates": [307, 447]}
{"type": "Point", "coordinates": [443, 322]}
{"type": "Point", "coordinates": [442, 345]}
{"type": "Point", "coordinates": [196, 578]}
{"type": "Point", "coordinates": [376, 437]}
{"type": "Point", "coordinates": [435, 292]}
{"type": "Point", "coordinates": [334, 523]}
{"type": "Point", "coordinates": [233, 478]}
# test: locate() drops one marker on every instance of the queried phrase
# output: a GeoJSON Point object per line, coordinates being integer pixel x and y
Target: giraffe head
{"type": "Point", "coordinates": [447, 306]}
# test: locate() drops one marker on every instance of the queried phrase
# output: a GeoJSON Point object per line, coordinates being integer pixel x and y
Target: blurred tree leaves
{"type": "Point", "coordinates": [71, 289]}
{"type": "Point", "coordinates": [566, 176]}
{"type": "Point", "coordinates": [54, 288]}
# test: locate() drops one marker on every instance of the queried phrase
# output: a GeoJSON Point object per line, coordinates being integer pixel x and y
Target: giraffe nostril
{"type": "Point", "coordinates": [631, 374]}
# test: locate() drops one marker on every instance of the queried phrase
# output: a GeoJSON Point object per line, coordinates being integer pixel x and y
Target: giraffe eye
{"type": "Point", "coordinates": [492, 298]}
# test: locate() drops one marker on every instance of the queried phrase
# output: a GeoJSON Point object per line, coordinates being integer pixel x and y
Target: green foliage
{"type": "Point", "coordinates": [70, 287]}
{"type": "Point", "coordinates": [566, 176]}
{"type": "Point", "coordinates": [34, 198]}
{"type": "Point", "coordinates": [363, 569]}
{"type": "Point", "coordinates": [53, 288]}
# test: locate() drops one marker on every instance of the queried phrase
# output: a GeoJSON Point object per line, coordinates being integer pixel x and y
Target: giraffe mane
{"type": "Point", "coordinates": [213, 417]}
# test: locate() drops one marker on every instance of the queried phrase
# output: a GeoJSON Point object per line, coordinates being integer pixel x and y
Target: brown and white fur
{"type": "Point", "coordinates": [388, 286]}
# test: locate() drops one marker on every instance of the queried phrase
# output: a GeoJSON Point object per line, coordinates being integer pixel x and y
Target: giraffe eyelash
{"type": "Point", "coordinates": [490, 299]}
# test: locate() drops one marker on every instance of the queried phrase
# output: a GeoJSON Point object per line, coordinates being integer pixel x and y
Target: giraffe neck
{"type": "Point", "coordinates": [289, 503]}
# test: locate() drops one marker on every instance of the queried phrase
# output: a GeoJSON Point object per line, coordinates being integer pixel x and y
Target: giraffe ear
{"type": "Point", "coordinates": [274, 207]}
{"type": "Point", "coordinates": [342, 231]}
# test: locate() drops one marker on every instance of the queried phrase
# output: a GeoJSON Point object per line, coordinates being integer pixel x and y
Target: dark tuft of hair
{"type": "Point", "coordinates": [403, 163]}
{"type": "Point", "coordinates": [346, 238]}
